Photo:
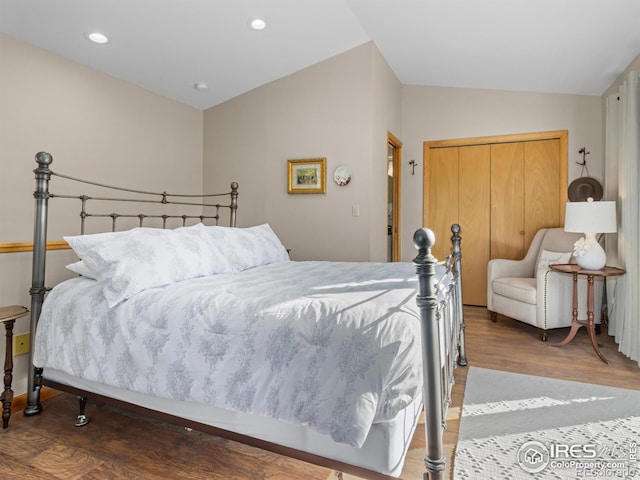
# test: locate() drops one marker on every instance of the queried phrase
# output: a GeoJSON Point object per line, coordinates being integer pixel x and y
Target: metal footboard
{"type": "Point", "coordinates": [443, 346]}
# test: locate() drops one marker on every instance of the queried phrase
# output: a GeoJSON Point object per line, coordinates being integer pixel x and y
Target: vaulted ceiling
{"type": "Point", "coordinates": [169, 46]}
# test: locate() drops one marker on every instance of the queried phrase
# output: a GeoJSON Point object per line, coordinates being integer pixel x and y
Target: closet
{"type": "Point", "coordinates": [500, 190]}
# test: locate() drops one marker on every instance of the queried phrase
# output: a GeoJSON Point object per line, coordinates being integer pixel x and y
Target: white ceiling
{"type": "Point", "coordinates": [166, 46]}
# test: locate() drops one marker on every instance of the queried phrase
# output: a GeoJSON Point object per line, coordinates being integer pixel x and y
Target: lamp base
{"type": "Point", "coordinates": [592, 258]}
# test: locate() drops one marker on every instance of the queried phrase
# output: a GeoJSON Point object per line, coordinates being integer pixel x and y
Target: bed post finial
{"type": "Point", "coordinates": [44, 158]}
{"type": "Point", "coordinates": [425, 263]}
{"type": "Point", "coordinates": [38, 290]}
{"type": "Point", "coordinates": [456, 241]}
{"type": "Point", "coordinates": [424, 239]}
{"type": "Point", "coordinates": [234, 203]}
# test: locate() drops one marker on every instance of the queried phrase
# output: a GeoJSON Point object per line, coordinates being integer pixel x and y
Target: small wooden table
{"type": "Point", "coordinates": [589, 324]}
{"type": "Point", "coordinates": [8, 316]}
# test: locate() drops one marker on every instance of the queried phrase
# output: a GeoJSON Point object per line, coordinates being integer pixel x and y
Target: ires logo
{"type": "Point", "coordinates": [585, 460]}
{"type": "Point", "coordinates": [534, 456]}
{"type": "Point", "coordinates": [559, 451]}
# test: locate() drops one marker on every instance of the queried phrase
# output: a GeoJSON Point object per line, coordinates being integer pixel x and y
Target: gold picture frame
{"type": "Point", "coordinates": [308, 175]}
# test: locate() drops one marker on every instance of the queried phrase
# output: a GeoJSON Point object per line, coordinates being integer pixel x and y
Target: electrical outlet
{"type": "Point", "coordinates": [21, 344]}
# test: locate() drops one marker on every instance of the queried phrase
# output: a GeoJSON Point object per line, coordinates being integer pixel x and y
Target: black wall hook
{"type": "Point", "coordinates": [584, 153]}
{"type": "Point", "coordinates": [413, 166]}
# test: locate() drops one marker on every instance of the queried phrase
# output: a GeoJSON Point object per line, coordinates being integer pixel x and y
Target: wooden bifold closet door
{"type": "Point", "coordinates": [500, 190]}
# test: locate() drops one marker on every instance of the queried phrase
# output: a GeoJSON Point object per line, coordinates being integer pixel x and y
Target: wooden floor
{"type": "Point", "coordinates": [117, 445]}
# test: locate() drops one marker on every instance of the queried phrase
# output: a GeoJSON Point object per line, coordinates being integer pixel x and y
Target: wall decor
{"type": "Point", "coordinates": [308, 175]}
{"type": "Point", "coordinates": [342, 175]}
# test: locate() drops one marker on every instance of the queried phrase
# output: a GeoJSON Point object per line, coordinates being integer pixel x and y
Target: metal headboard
{"type": "Point", "coordinates": [42, 196]}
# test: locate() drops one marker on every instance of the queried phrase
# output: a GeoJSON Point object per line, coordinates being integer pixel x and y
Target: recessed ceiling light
{"type": "Point", "coordinates": [97, 37]}
{"type": "Point", "coordinates": [258, 24]}
{"type": "Point", "coordinates": [201, 86]}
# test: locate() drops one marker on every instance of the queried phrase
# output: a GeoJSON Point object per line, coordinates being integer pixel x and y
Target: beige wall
{"type": "Point", "coordinates": [96, 127]}
{"type": "Point", "coordinates": [340, 109]}
{"type": "Point", "coordinates": [99, 127]}
{"type": "Point", "coordinates": [438, 113]}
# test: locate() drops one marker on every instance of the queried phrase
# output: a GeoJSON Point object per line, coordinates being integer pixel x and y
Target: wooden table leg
{"type": "Point", "coordinates": [7, 394]}
{"type": "Point", "coordinates": [590, 326]}
{"type": "Point", "coordinates": [575, 324]}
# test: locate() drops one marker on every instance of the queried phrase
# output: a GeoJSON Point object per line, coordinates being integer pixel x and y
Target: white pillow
{"type": "Point", "coordinates": [248, 247]}
{"type": "Point", "coordinates": [81, 269]}
{"type": "Point", "coordinates": [547, 258]}
{"type": "Point", "coordinates": [141, 258]}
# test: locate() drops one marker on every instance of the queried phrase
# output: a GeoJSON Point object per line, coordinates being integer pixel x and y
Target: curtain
{"type": "Point", "coordinates": [622, 177]}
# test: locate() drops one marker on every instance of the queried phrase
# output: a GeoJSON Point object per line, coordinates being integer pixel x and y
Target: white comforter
{"type": "Point", "coordinates": [335, 346]}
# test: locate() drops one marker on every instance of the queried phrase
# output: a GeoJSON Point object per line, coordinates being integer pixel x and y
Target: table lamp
{"type": "Point", "coordinates": [590, 218]}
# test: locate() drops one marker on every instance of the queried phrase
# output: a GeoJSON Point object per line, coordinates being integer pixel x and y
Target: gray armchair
{"type": "Point", "coordinates": [526, 290]}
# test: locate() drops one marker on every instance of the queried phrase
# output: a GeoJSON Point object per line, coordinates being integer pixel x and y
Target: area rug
{"type": "Point", "coordinates": [516, 426]}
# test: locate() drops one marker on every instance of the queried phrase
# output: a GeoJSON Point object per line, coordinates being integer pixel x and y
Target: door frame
{"type": "Point", "coordinates": [397, 196]}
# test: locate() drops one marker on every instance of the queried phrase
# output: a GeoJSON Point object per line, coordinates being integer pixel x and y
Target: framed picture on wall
{"type": "Point", "coordinates": [308, 175]}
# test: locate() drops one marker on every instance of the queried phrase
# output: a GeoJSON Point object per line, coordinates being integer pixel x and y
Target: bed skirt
{"type": "Point", "coordinates": [384, 449]}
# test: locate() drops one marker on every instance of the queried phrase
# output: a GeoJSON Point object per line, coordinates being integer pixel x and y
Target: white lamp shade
{"type": "Point", "coordinates": [590, 217]}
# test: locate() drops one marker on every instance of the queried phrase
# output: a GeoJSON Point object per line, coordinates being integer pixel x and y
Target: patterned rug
{"type": "Point", "coordinates": [517, 426]}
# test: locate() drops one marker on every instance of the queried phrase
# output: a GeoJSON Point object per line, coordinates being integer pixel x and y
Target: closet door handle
{"type": "Point", "coordinates": [521, 232]}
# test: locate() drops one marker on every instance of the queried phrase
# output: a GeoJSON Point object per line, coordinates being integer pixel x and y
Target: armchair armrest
{"type": "Point", "coordinates": [503, 268]}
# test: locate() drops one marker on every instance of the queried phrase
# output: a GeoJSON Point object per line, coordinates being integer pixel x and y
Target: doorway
{"type": "Point", "coordinates": [394, 175]}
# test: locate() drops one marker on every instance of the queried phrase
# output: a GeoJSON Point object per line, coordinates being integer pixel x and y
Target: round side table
{"type": "Point", "coordinates": [589, 323]}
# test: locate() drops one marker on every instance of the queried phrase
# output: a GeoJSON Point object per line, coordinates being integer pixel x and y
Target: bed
{"type": "Point", "coordinates": [215, 328]}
